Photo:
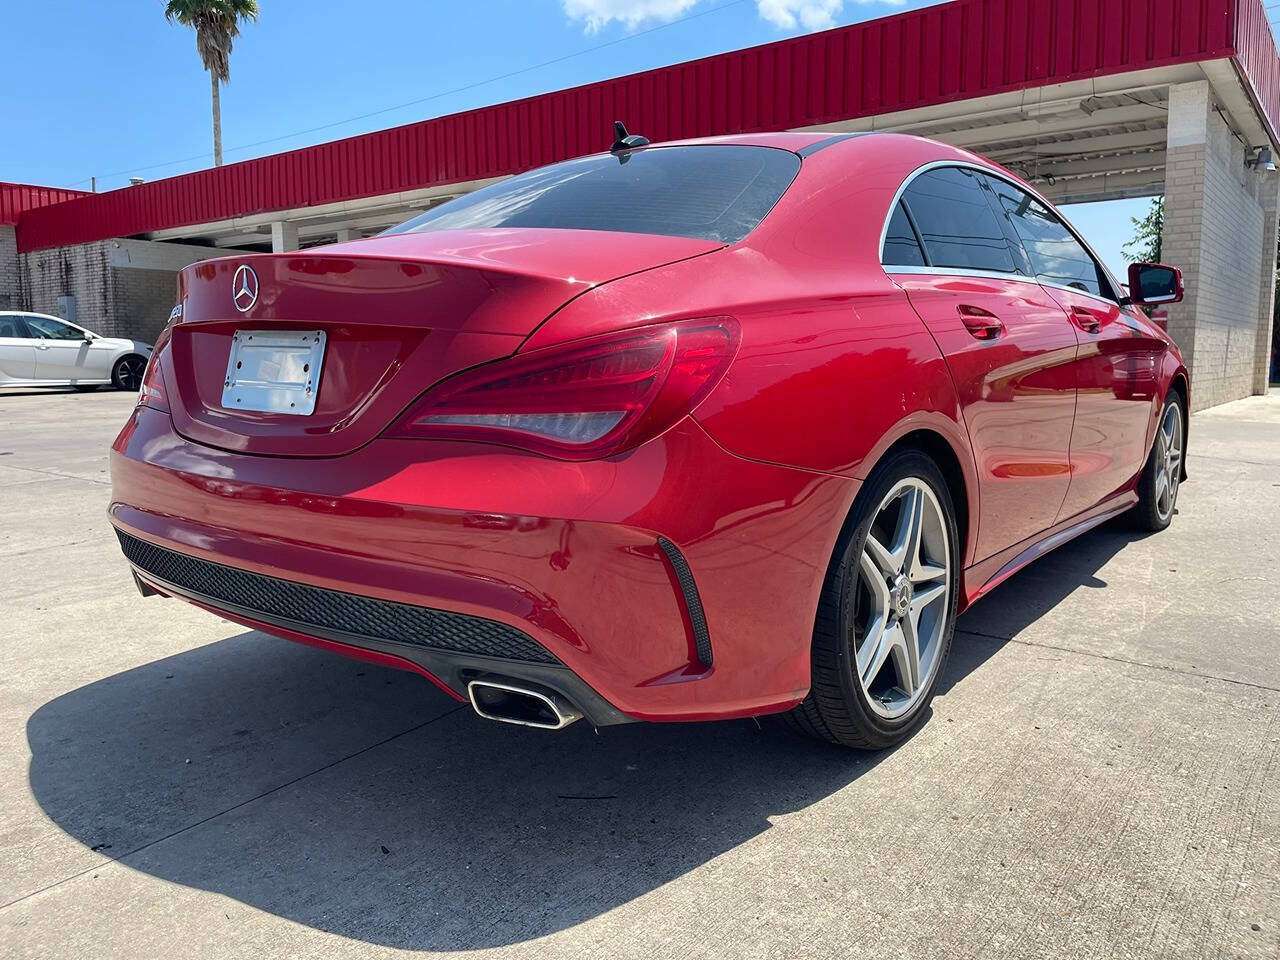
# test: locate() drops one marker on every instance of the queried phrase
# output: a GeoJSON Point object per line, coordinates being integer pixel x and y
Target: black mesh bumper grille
{"type": "Point", "coordinates": [331, 611]}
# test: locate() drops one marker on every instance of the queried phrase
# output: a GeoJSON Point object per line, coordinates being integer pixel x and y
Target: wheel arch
{"type": "Point", "coordinates": [936, 447]}
{"type": "Point", "coordinates": [955, 461]}
{"type": "Point", "coordinates": [947, 443]}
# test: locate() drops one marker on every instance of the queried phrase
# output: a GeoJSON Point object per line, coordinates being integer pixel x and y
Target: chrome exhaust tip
{"type": "Point", "coordinates": [522, 706]}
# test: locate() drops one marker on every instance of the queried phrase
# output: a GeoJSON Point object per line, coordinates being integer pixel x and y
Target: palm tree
{"type": "Point", "coordinates": [217, 24]}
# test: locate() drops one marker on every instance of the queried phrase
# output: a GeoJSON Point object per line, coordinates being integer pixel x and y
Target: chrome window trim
{"type": "Point", "coordinates": [954, 271]}
{"type": "Point", "coordinates": [1080, 293]}
{"type": "Point", "coordinates": [890, 270]}
{"type": "Point", "coordinates": [960, 272]}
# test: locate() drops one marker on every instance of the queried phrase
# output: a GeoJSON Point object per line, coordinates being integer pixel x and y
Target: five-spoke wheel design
{"type": "Point", "coordinates": [887, 609]}
{"type": "Point", "coordinates": [1168, 463]}
{"type": "Point", "coordinates": [128, 372]}
{"type": "Point", "coordinates": [903, 590]}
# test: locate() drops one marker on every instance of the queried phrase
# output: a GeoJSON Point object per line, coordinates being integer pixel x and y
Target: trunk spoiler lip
{"type": "Point", "coordinates": [616, 254]}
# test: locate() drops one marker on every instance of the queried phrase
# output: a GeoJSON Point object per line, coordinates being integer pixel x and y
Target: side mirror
{"type": "Point", "coordinates": [1153, 283]}
{"type": "Point", "coordinates": [88, 337]}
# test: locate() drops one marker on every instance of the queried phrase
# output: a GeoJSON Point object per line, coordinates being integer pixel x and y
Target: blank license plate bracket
{"type": "Point", "coordinates": [274, 371]}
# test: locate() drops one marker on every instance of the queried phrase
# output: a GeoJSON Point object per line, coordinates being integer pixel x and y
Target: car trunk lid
{"type": "Point", "coordinates": [398, 314]}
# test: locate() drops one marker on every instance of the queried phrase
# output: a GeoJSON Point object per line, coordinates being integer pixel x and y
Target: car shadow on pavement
{"type": "Point", "coordinates": [363, 802]}
{"type": "Point", "coordinates": [1034, 591]}
{"type": "Point", "coordinates": [102, 389]}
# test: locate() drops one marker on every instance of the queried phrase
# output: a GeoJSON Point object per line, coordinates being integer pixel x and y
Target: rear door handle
{"type": "Point", "coordinates": [1086, 320]}
{"type": "Point", "coordinates": [983, 324]}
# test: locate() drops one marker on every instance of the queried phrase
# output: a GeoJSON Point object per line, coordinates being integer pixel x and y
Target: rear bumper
{"type": "Point", "coordinates": [450, 649]}
{"type": "Point", "coordinates": [595, 565]}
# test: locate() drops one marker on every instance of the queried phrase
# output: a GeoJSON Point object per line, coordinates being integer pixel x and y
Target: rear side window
{"type": "Point", "coordinates": [956, 223]}
{"type": "Point", "coordinates": [1056, 255]}
{"type": "Point", "coordinates": [901, 245]}
{"type": "Point", "coordinates": [718, 193]}
{"type": "Point", "coordinates": [13, 327]}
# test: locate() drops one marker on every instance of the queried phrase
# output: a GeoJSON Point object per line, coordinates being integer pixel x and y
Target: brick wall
{"type": "Point", "coordinates": [122, 288]}
{"type": "Point", "coordinates": [10, 292]}
{"type": "Point", "coordinates": [1220, 229]}
{"type": "Point", "coordinates": [144, 277]}
{"type": "Point", "coordinates": [143, 300]}
{"type": "Point", "coordinates": [80, 271]}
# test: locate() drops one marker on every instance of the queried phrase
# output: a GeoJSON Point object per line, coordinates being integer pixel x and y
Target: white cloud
{"type": "Point", "coordinates": [598, 14]}
{"type": "Point", "coordinates": [810, 14]}
{"type": "Point", "coordinates": [783, 14]}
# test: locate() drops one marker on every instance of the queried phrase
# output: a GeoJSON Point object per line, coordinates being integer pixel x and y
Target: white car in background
{"type": "Point", "coordinates": [37, 350]}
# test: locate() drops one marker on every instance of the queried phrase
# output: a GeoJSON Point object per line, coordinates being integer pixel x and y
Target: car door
{"type": "Point", "coordinates": [1008, 345]}
{"type": "Point", "coordinates": [17, 350]}
{"type": "Point", "coordinates": [1117, 358]}
{"type": "Point", "coordinates": [62, 352]}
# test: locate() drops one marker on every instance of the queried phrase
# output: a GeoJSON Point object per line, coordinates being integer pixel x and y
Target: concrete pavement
{"type": "Point", "coordinates": [1099, 777]}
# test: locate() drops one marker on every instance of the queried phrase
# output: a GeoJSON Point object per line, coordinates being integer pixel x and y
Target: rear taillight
{"type": "Point", "coordinates": [151, 393]}
{"type": "Point", "coordinates": [584, 400]}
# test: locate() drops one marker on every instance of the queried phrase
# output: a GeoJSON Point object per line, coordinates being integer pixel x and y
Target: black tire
{"type": "Point", "coordinates": [1149, 514]}
{"type": "Point", "coordinates": [837, 709]}
{"type": "Point", "coordinates": [127, 373]}
{"type": "Point", "coordinates": [85, 387]}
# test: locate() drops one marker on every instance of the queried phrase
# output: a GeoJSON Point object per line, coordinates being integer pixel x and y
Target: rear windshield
{"type": "Point", "coordinates": [717, 193]}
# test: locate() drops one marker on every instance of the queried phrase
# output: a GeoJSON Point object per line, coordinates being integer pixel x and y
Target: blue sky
{"type": "Point", "coordinates": [111, 90]}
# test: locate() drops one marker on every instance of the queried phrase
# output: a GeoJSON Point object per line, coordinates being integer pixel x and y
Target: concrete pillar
{"type": "Point", "coordinates": [284, 236]}
{"type": "Point", "coordinates": [1270, 196]}
{"type": "Point", "coordinates": [1217, 230]}
{"type": "Point", "coordinates": [348, 233]}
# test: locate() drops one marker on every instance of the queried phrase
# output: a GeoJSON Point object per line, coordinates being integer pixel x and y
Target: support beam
{"type": "Point", "coordinates": [1054, 126]}
{"type": "Point", "coordinates": [1097, 166]}
{"type": "Point", "coordinates": [347, 234]}
{"type": "Point", "coordinates": [1107, 143]}
{"type": "Point", "coordinates": [284, 236]}
{"type": "Point", "coordinates": [1115, 186]}
{"type": "Point", "coordinates": [238, 239]}
{"type": "Point", "coordinates": [398, 206]}
{"type": "Point", "coordinates": [357, 225]}
{"type": "Point", "coordinates": [1082, 147]}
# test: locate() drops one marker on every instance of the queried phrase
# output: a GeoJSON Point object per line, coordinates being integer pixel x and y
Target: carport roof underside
{"type": "Point", "coordinates": [1071, 94]}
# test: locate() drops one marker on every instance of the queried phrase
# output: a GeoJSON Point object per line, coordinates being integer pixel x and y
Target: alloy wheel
{"type": "Point", "coordinates": [129, 373]}
{"type": "Point", "coordinates": [902, 594]}
{"type": "Point", "coordinates": [1168, 460]}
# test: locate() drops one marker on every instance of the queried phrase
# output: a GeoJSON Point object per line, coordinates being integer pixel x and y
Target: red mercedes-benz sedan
{"type": "Point", "coordinates": [683, 432]}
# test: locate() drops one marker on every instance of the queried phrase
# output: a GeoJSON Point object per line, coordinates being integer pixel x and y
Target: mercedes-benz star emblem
{"type": "Point", "coordinates": [244, 288]}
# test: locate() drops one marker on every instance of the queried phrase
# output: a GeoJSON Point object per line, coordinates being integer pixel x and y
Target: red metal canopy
{"type": "Point", "coordinates": [958, 50]}
{"type": "Point", "coordinates": [17, 198]}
